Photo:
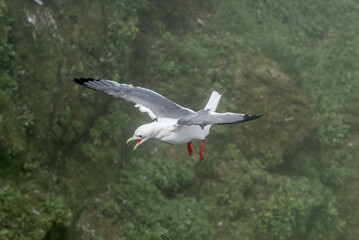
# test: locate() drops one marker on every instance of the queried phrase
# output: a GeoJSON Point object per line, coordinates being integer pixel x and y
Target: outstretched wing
{"type": "Point", "coordinates": [146, 100]}
{"type": "Point", "coordinates": [207, 117]}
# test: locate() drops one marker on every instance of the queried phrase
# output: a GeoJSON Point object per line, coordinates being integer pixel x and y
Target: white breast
{"type": "Point", "coordinates": [172, 133]}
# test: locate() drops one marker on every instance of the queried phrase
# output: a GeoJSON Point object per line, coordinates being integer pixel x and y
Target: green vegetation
{"type": "Point", "coordinates": [66, 172]}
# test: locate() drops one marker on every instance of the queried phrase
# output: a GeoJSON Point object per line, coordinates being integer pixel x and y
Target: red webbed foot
{"type": "Point", "coordinates": [189, 148]}
{"type": "Point", "coordinates": [200, 150]}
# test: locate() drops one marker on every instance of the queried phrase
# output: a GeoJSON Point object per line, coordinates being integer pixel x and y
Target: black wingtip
{"type": "Point", "coordinates": [164, 237]}
{"type": "Point", "coordinates": [251, 117]}
{"type": "Point", "coordinates": [82, 81]}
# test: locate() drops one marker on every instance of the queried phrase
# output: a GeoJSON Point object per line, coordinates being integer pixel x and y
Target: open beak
{"type": "Point", "coordinates": [132, 139]}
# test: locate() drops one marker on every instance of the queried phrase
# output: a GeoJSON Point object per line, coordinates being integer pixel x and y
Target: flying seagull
{"type": "Point", "coordinates": [172, 123]}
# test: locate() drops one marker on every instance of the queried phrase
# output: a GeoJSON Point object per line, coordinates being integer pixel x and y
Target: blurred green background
{"type": "Point", "coordinates": [66, 172]}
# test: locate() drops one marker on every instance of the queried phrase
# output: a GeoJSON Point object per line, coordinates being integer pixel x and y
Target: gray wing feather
{"type": "Point", "coordinates": [160, 106]}
{"type": "Point", "coordinates": [206, 117]}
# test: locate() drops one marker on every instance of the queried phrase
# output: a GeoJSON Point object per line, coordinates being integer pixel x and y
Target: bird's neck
{"type": "Point", "coordinates": [159, 129]}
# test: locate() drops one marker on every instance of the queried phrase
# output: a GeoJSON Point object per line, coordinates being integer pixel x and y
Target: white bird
{"type": "Point", "coordinates": [173, 123]}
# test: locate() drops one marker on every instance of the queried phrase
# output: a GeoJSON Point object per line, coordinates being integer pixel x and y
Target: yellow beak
{"type": "Point", "coordinates": [138, 143]}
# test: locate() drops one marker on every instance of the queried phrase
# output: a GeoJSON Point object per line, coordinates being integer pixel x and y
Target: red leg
{"type": "Point", "coordinates": [189, 148]}
{"type": "Point", "coordinates": [200, 150]}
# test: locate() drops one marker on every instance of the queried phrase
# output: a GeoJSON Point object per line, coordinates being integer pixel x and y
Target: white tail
{"type": "Point", "coordinates": [213, 101]}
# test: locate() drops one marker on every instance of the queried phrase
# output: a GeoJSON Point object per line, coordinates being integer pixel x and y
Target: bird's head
{"type": "Point", "coordinates": [142, 134]}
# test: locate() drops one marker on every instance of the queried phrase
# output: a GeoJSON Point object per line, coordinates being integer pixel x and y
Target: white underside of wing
{"type": "Point", "coordinates": [213, 101]}
{"type": "Point", "coordinates": [146, 110]}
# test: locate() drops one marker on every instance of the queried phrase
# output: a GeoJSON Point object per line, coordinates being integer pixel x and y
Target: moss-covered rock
{"type": "Point", "coordinates": [30, 212]}
{"type": "Point", "coordinates": [288, 121]}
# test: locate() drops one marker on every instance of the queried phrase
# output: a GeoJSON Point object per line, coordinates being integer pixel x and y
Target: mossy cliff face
{"type": "Point", "coordinates": [46, 125]}
{"type": "Point", "coordinates": [288, 121]}
{"type": "Point", "coordinates": [66, 172]}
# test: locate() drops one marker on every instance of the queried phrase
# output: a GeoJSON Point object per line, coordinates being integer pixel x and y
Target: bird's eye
{"type": "Point", "coordinates": [139, 136]}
